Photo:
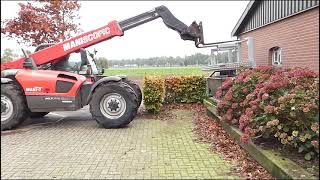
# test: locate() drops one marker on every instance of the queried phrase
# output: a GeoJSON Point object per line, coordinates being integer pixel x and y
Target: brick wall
{"type": "Point", "coordinates": [298, 36]}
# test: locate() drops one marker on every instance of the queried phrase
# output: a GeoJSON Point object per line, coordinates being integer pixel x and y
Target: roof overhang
{"type": "Point", "coordinates": [244, 15]}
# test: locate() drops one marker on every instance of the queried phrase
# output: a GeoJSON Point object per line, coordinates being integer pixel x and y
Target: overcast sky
{"type": "Point", "coordinates": [151, 39]}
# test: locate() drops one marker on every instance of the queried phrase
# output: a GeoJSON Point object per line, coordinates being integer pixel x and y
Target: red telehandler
{"type": "Point", "coordinates": [50, 80]}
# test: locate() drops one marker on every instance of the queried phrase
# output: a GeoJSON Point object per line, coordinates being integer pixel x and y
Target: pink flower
{"type": "Point", "coordinates": [281, 100]}
{"type": "Point", "coordinates": [264, 76]}
{"type": "Point", "coordinates": [218, 93]}
{"type": "Point", "coordinates": [247, 79]}
{"type": "Point", "coordinates": [243, 121]}
{"type": "Point", "coordinates": [249, 131]}
{"type": "Point", "coordinates": [269, 124]}
{"type": "Point", "coordinates": [221, 104]}
{"type": "Point", "coordinates": [254, 107]}
{"type": "Point", "coordinates": [228, 95]}
{"type": "Point", "coordinates": [306, 109]}
{"type": "Point", "coordinates": [258, 86]}
{"type": "Point", "coordinates": [249, 112]}
{"type": "Point", "coordinates": [302, 72]}
{"type": "Point", "coordinates": [269, 109]}
{"type": "Point", "coordinates": [234, 105]}
{"type": "Point", "coordinates": [315, 143]}
{"type": "Point", "coordinates": [244, 138]}
{"type": "Point", "coordinates": [245, 90]}
{"type": "Point", "coordinates": [274, 122]}
{"type": "Point", "coordinates": [250, 96]}
{"type": "Point", "coordinates": [265, 96]}
{"type": "Point", "coordinates": [239, 79]}
{"type": "Point", "coordinates": [315, 127]}
{"type": "Point", "coordinates": [228, 117]}
{"type": "Point", "coordinates": [227, 83]}
{"type": "Point", "coordinates": [254, 103]}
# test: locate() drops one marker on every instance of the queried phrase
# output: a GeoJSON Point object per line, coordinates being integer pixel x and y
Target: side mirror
{"type": "Point", "coordinates": [28, 62]}
{"type": "Point", "coordinates": [102, 71]}
{"type": "Point", "coordinates": [26, 55]}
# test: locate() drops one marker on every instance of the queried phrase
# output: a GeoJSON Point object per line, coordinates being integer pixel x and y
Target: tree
{"type": "Point", "coordinates": [43, 21]}
{"type": "Point", "coordinates": [8, 55]}
{"type": "Point", "coordinates": [102, 62]}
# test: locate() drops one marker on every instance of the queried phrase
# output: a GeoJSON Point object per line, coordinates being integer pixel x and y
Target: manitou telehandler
{"type": "Point", "coordinates": [45, 80]}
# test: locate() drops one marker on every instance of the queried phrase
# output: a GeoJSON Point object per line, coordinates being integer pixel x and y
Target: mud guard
{"type": "Point", "coordinates": [123, 77]}
{"type": "Point", "coordinates": [100, 81]}
{"type": "Point", "coordinates": [5, 80]}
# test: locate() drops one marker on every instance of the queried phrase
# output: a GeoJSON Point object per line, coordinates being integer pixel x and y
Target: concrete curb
{"type": "Point", "coordinates": [280, 167]}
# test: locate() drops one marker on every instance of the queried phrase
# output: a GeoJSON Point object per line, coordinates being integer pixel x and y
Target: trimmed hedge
{"type": "Point", "coordinates": [173, 89]}
{"type": "Point", "coordinates": [153, 92]}
{"type": "Point", "coordinates": [185, 89]}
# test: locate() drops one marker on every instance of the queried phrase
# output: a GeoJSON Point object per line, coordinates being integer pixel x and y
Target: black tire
{"type": "Point", "coordinates": [102, 113]}
{"type": "Point", "coordinates": [136, 89]}
{"type": "Point", "coordinates": [38, 114]}
{"type": "Point", "coordinates": [11, 119]}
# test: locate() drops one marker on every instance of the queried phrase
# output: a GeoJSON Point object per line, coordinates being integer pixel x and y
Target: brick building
{"type": "Point", "coordinates": [284, 33]}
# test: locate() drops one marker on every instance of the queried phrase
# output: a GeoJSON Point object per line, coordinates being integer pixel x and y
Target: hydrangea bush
{"type": "Point", "coordinates": [278, 102]}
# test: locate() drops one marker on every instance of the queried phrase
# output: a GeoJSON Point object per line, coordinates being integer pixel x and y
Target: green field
{"type": "Point", "coordinates": [161, 71]}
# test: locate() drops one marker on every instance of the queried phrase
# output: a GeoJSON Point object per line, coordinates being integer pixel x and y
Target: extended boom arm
{"type": "Point", "coordinates": [56, 52]}
{"type": "Point", "coordinates": [186, 33]}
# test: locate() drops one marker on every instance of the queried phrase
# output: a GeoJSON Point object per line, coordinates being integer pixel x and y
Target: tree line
{"type": "Point", "coordinates": [163, 61]}
{"type": "Point", "coordinates": [197, 59]}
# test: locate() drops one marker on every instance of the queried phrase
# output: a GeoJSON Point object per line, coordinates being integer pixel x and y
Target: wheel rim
{"type": "Point", "coordinates": [6, 108]}
{"type": "Point", "coordinates": [113, 105]}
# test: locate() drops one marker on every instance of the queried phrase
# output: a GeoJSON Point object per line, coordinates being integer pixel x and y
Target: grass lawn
{"type": "Point", "coordinates": [161, 71]}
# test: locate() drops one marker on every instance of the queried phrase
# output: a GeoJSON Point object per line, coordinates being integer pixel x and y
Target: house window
{"type": "Point", "coordinates": [276, 56]}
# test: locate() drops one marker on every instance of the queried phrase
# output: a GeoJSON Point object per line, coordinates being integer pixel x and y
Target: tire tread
{"type": "Point", "coordinates": [14, 91]}
{"type": "Point", "coordinates": [113, 123]}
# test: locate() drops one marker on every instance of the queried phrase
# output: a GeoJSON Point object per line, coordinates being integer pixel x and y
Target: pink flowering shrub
{"type": "Point", "coordinates": [278, 102]}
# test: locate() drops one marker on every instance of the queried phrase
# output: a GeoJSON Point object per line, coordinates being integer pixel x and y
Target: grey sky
{"type": "Point", "coordinates": [154, 38]}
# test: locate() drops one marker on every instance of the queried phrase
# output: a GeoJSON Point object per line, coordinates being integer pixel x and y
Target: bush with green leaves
{"type": "Point", "coordinates": [153, 92]}
{"type": "Point", "coordinates": [172, 89]}
{"type": "Point", "coordinates": [184, 89]}
{"type": "Point", "coordinates": [278, 102]}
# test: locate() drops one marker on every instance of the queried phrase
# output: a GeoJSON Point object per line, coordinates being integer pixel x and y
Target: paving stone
{"type": "Point", "coordinates": [78, 148]}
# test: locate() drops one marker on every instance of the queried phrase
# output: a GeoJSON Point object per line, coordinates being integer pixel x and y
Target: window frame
{"type": "Point", "coordinates": [276, 56]}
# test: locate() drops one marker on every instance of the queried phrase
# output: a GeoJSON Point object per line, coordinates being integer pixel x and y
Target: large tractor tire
{"type": "Point", "coordinates": [136, 89]}
{"type": "Point", "coordinates": [13, 106]}
{"type": "Point", "coordinates": [113, 105]}
{"type": "Point", "coordinates": [38, 114]}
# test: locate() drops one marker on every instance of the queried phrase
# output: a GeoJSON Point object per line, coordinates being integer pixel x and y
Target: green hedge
{"type": "Point", "coordinates": [184, 89]}
{"type": "Point", "coordinates": [153, 92]}
{"type": "Point", "coordinates": [173, 89]}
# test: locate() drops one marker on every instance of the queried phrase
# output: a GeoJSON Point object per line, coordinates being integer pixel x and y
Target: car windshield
{"type": "Point", "coordinates": [74, 58]}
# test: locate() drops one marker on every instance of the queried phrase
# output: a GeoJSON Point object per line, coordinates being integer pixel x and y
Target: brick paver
{"type": "Point", "coordinates": [77, 148]}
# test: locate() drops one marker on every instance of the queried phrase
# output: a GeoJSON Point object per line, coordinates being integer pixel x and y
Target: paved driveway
{"type": "Point", "coordinates": [76, 147]}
